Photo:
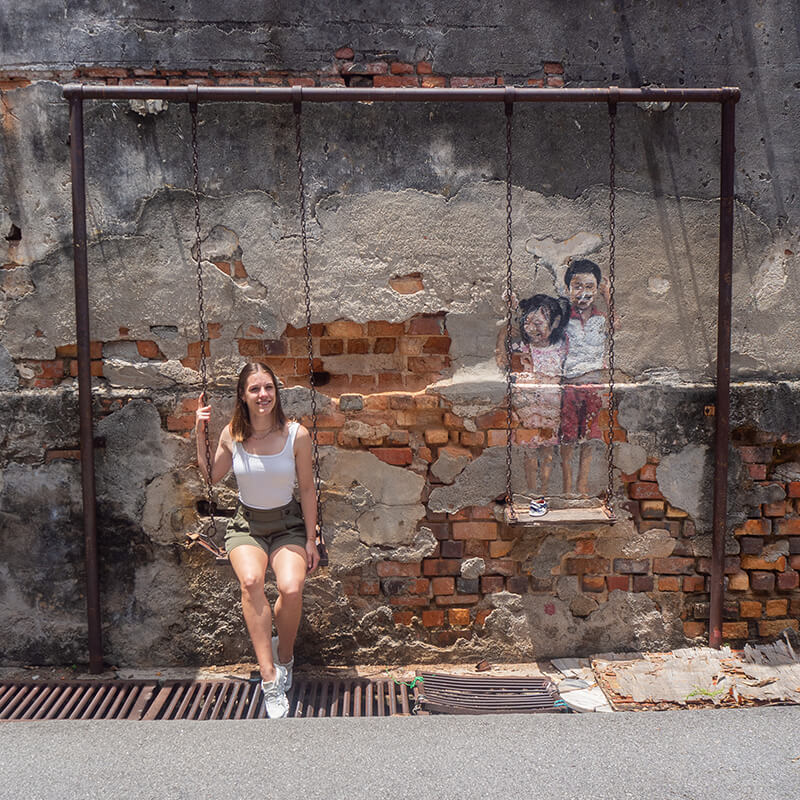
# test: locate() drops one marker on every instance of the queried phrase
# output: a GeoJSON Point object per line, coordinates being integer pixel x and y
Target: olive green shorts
{"type": "Point", "coordinates": [268, 528]}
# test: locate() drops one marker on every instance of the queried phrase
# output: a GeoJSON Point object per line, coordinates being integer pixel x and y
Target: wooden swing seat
{"type": "Point", "coordinates": [559, 517]}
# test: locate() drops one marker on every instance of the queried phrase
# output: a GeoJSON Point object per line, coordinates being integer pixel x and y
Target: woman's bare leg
{"type": "Point", "coordinates": [289, 565]}
{"type": "Point", "coordinates": [250, 565]}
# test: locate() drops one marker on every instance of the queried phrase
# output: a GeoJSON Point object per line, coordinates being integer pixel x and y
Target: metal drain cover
{"type": "Point", "coordinates": [198, 700]}
{"type": "Point", "coordinates": [459, 694]}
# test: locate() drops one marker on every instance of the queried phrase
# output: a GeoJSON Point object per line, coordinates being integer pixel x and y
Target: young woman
{"type": "Point", "coordinates": [269, 455]}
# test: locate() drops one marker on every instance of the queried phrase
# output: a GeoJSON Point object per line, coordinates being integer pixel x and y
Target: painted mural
{"type": "Point", "coordinates": [559, 393]}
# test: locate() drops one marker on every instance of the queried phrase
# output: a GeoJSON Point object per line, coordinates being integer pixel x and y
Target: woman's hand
{"type": "Point", "coordinates": [312, 555]}
{"type": "Point", "coordinates": [202, 416]}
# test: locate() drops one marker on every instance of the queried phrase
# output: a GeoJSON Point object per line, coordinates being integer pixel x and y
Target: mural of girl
{"type": "Point", "coordinates": [537, 389]}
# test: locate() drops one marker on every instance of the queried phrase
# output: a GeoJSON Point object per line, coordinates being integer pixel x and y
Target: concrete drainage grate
{"type": "Point", "coordinates": [240, 699]}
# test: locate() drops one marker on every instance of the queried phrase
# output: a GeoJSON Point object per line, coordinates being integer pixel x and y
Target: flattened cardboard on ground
{"type": "Point", "coordinates": [759, 674]}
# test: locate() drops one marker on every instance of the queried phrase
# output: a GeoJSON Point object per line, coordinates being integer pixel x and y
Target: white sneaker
{"type": "Point", "coordinates": [538, 508]}
{"type": "Point", "coordinates": [287, 666]}
{"type": "Point", "coordinates": [275, 699]}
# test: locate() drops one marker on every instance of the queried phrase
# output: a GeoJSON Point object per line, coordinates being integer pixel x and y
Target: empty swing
{"type": "Point", "coordinates": [207, 536]}
{"type": "Point", "coordinates": [539, 514]}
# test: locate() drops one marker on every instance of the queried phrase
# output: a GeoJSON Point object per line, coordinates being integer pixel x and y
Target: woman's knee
{"type": "Point", "coordinates": [251, 582]}
{"type": "Point", "coordinates": [291, 587]}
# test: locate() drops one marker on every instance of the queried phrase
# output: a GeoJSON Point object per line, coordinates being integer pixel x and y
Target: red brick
{"type": "Point", "coordinates": [518, 584]}
{"type": "Point", "coordinates": [472, 438]}
{"type": "Point", "coordinates": [759, 527]}
{"type": "Point", "coordinates": [673, 566]}
{"type": "Point", "coordinates": [184, 422]}
{"type": "Point", "coordinates": [424, 68]}
{"type": "Point", "coordinates": [358, 346]}
{"type": "Point", "coordinates": [410, 600]}
{"type": "Point", "coordinates": [434, 82]}
{"type": "Point", "coordinates": [388, 569]}
{"type": "Point", "coordinates": [555, 81]}
{"type": "Point", "coordinates": [644, 491]}
{"type": "Point", "coordinates": [493, 583]}
{"type": "Point", "coordinates": [693, 630]}
{"type": "Point", "coordinates": [441, 566]}
{"type": "Point", "coordinates": [652, 509]}
{"type": "Point", "coordinates": [433, 618]}
{"type": "Point", "coordinates": [403, 617]}
{"type": "Point", "coordinates": [793, 489]}
{"type": "Point", "coordinates": [345, 53]}
{"type": "Point", "coordinates": [750, 609]}
{"type": "Point", "coordinates": [437, 344]}
{"type": "Point", "coordinates": [593, 583]}
{"type": "Point", "coordinates": [584, 547]}
{"type": "Point", "coordinates": [383, 328]}
{"type": "Point", "coordinates": [772, 628]}
{"type": "Point", "coordinates": [476, 512]}
{"type": "Point", "coordinates": [731, 566]}
{"type": "Point", "coordinates": [418, 586]}
{"type": "Point", "coordinates": [401, 68]}
{"type": "Point", "coordinates": [787, 581]}
{"type": "Point", "coordinates": [621, 582]}
{"type": "Point", "coordinates": [762, 581]}
{"type": "Point", "coordinates": [497, 438]}
{"type": "Point", "coordinates": [385, 345]}
{"type": "Point", "coordinates": [755, 562]}
{"type": "Point", "coordinates": [758, 472]}
{"type": "Point", "coordinates": [648, 472]}
{"type": "Point", "coordinates": [426, 326]}
{"type": "Point", "coordinates": [449, 548]}
{"type": "Point", "coordinates": [369, 587]}
{"type": "Point", "coordinates": [756, 455]}
{"type": "Point", "coordinates": [443, 585]}
{"type": "Point", "coordinates": [395, 81]}
{"type": "Point", "coordinates": [458, 617]}
{"type": "Point", "coordinates": [553, 68]}
{"type": "Point", "coordinates": [735, 630]}
{"type": "Point", "coordinates": [437, 436]}
{"type": "Point", "coordinates": [669, 583]}
{"type": "Point", "coordinates": [499, 548]}
{"type": "Point", "coordinates": [579, 566]}
{"type": "Point", "coordinates": [457, 599]}
{"type": "Point", "coordinates": [331, 347]}
{"type": "Point", "coordinates": [777, 607]}
{"type": "Point", "coordinates": [493, 419]}
{"type": "Point", "coordinates": [475, 530]}
{"type": "Point", "coordinates": [786, 527]}
{"type": "Point", "coordinates": [643, 583]}
{"type": "Point", "coordinates": [502, 566]}
{"type": "Point", "coordinates": [397, 456]}
{"type": "Point", "coordinates": [739, 582]}
{"type": "Point", "coordinates": [427, 364]}
{"type": "Point", "coordinates": [777, 509]}
{"type": "Point", "coordinates": [148, 349]}
{"type": "Point", "coordinates": [480, 616]}
{"type": "Point", "coordinates": [694, 583]}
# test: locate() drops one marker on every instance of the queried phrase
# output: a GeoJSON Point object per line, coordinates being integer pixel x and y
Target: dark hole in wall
{"type": "Point", "coordinates": [15, 234]}
{"type": "Point", "coordinates": [204, 509]}
{"type": "Point", "coordinates": [322, 378]}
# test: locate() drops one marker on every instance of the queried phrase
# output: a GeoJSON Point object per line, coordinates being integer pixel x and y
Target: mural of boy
{"type": "Point", "coordinates": [582, 399]}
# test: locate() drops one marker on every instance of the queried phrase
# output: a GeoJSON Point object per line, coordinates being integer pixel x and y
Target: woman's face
{"type": "Point", "coordinates": [539, 326]}
{"type": "Point", "coordinates": [259, 395]}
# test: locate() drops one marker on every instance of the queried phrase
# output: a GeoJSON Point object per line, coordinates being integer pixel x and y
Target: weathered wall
{"type": "Point", "coordinates": [407, 250]}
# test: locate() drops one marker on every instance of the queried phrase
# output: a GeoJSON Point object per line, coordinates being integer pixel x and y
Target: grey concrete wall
{"type": "Point", "coordinates": [393, 190]}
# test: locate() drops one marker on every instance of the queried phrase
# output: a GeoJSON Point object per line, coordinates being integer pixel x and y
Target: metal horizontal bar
{"type": "Point", "coordinates": [323, 94]}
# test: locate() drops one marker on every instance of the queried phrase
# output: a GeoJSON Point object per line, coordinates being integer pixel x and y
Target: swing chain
{"type": "Point", "coordinates": [512, 514]}
{"type": "Point", "coordinates": [203, 330]}
{"type": "Point", "coordinates": [612, 255]}
{"type": "Point", "coordinates": [309, 340]}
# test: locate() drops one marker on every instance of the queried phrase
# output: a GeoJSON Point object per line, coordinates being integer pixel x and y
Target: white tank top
{"type": "Point", "coordinates": [266, 481]}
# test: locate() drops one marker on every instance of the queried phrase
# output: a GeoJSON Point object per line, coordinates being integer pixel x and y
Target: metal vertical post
{"type": "Point", "coordinates": [722, 430]}
{"type": "Point", "coordinates": [85, 381]}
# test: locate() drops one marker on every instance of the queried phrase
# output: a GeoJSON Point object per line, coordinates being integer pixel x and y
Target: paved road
{"type": "Point", "coordinates": [691, 755]}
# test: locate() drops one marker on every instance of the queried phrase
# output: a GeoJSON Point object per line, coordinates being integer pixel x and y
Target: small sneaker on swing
{"type": "Point", "coordinates": [538, 508]}
{"type": "Point", "coordinates": [275, 700]}
{"type": "Point", "coordinates": [288, 666]}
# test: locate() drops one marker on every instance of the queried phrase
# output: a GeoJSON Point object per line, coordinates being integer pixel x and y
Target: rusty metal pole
{"type": "Point", "coordinates": [85, 381]}
{"type": "Point", "coordinates": [722, 429]}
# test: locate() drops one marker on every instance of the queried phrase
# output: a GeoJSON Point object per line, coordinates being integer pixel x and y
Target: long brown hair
{"type": "Point", "coordinates": [241, 427]}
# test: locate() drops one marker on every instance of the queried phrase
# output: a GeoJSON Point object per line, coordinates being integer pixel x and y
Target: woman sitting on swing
{"type": "Point", "coordinates": [269, 455]}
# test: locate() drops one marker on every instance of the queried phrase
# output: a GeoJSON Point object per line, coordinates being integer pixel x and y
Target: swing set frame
{"type": "Point", "coordinates": [77, 94]}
